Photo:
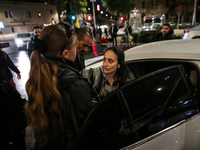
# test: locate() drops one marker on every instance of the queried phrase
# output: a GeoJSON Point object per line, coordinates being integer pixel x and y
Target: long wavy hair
{"type": "Point", "coordinates": [44, 108]}
{"type": "Point", "coordinates": [122, 72]}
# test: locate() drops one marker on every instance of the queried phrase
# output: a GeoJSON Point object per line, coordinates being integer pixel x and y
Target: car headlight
{"type": "Point", "coordinates": [18, 41]}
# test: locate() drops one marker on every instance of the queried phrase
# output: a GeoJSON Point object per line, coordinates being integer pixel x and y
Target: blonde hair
{"type": "Point", "coordinates": [44, 108]}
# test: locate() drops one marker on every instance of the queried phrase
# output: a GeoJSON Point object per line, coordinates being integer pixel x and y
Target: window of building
{"type": "Point", "coordinates": [11, 14]}
{"type": "Point", "coordinates": [26, 14]}
{"type": "Point", "coordinates": [13, 30]}
{"type": "Point", "coordinates": [51, 11]}
{"type": "Point", "coordinates": [39, 14]}
{"type": "Point", "coordinates": [6, 14]}
{"type": "Point", "coordinates": [29, 13]}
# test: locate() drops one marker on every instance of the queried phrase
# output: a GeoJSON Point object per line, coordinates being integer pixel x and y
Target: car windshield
{"type": "Point", "coordinates": [157, 20]}
{"type": "Point", "coordinates": [23, 35]}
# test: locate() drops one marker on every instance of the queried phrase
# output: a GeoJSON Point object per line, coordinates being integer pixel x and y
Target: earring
{"type": "Point", "coordinates": [118, 66]}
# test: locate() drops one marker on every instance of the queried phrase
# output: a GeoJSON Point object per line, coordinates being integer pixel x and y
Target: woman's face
{"type": "Point", "coordinates": [71, 53]}
{"type": "Point", "coordinates": [110, 62]}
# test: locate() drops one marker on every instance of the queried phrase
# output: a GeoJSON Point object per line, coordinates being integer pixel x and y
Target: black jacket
{"type": "Point", "coordinates": [6, 63]}
{"type": "Point", "coordinates": [115, 29]}
{"type": "Point", "coordinates": [77, 98]}
{"type": "Point", "coordinates": [128, 30]}
{"type": "Point", "coordinates": [168, 36]}
{"type": "Point", "coordinates": [79, 62]}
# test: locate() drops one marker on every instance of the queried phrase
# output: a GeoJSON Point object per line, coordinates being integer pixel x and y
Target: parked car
{"type": "Point", "coordinates": [22, 40]}
{"type": "Point", "coordinates": [192, 33]}
{"type": "Point", "coordinates": [158, 110]}
{"type": "Point", "coordinates": [121, 31]}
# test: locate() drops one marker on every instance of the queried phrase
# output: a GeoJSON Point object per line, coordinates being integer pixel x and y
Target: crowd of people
{"type": "Point", "coordinates": [61, 91]}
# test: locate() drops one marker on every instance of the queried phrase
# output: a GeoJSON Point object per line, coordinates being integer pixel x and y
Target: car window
{"type": "Point", "coordinates": [142, 68]}
{"type": "Point", "coordinates": [23, 35]}
{"type": "Point", "coordinates": [159, 101]}
{"type": "Point", "coordinates": [139, 109]}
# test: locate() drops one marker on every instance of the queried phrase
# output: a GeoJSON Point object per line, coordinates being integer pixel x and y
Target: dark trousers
{"type": "Point", "coordinates": [114, 39]}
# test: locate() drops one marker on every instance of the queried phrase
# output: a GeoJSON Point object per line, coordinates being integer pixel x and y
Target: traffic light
{"type": "Point", "coordinates": [89, 18]}
{"type": "Point", "coordinates": [73, 17]}
{"type": "Point", "coordinates": [122, 18]}
{"type": "Point", "coordinates": [98, 7]}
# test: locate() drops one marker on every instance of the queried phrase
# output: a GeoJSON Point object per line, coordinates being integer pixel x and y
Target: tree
{"type": "Point", "coordinates": [75, 6]}
{"type": "Point", "coordinates": [113, 6]}
{"type": "Point", "coordinates": [153, 4]}
{"type": "Point", "coordinates": [181, 7]}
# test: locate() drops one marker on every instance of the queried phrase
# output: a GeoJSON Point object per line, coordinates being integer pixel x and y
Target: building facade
{"type": "Point", "coordinates": [19, 17]}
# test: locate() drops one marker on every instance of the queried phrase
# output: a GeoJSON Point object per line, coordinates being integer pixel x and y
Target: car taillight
{"type": "Point", "coordinates": [186, 31]}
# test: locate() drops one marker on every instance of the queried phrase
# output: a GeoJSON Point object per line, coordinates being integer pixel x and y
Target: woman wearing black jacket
{"type": "Point", "coordinates": [59, 98]}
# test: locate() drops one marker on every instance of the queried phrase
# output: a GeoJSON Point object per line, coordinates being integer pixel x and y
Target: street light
{"type": "Point", "coordinates": [101, 12]}
{"type": "Point", "coordinates": [73, 17]}
{"type": "Point", "coordinates": [98, 7]}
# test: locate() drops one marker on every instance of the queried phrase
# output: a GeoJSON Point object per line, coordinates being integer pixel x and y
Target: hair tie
{"type": "Point", "coordinates": [40, 46]}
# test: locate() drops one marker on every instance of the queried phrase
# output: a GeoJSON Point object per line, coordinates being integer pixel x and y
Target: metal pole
{"type": "Point", "coordinates": [194, 13]}
{"type": "Point", "coordinates": [2, 34]}
{"type": "Point", "coordinates": [94, 14]}
{"type": "Point", "coordinates": [45, 11]}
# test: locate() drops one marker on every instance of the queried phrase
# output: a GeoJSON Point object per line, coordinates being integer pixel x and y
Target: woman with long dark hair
{"type": "Point", "coordinates": [111, 75]}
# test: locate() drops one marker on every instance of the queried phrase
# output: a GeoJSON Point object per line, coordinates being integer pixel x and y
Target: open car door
{"type": "Point", "coordinates": [142, 111]}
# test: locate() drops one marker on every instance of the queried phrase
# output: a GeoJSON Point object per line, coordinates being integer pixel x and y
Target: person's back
{"type": "Point", "coordinates": [7, 64]}
{"type": "Point", "coordinates": [56, 108]}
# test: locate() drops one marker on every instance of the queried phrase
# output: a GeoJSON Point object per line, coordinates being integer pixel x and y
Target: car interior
{"type": "Point", "coordinates": [139, 69]}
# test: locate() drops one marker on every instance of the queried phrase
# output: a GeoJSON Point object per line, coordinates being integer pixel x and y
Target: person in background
{"type": "Point", "coordinates": [7, 64]}
{"type": "Point", "coordinates": [104, 36]}
{"type": "Point", "coordinates": [13, 123]}
{"type": "Point", "coordinates": [93, 31]}
{"type": "Point", "coordinates": [84, 41]}
{"type": "Point", "coordinates": [113, 33]}
{"type": "Point", "coordinates": [113, 74]}
{"type": "Point", "coordinates": [166, 34]}
{"type": "Point", "coordinates": [128, 31]}
{"type": "Point", "coordinates": [36, 32]}
{"type": "Point", "coordinates": [59, 99]}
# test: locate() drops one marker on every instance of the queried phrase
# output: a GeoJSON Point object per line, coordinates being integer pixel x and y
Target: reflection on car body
{"type": "Point", "coordinates": [157, 110]}
{"type": "Point", "coordinates": [192, 33]}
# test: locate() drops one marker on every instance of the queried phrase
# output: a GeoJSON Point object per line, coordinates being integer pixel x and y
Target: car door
{"type": "Point", "coordinates": [142, 111]}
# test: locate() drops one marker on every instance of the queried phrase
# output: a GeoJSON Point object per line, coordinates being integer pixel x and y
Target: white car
{"type": "Point", "coordinates": [159, 110]}
{"type": "Point", "coordinates": [121, 31]}
{"type": "Point", "coordinates": [22, 39]}
{"type": "Point", "coordinates": [192, 33]}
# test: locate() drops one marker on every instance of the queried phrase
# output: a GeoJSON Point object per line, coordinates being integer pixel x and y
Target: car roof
{"type": "Point", "coordinates": [24, 33]}
{"type": "Point", "coordinates": [172, 49]}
